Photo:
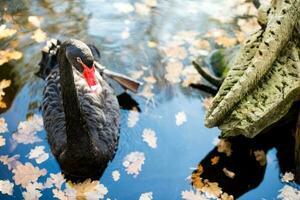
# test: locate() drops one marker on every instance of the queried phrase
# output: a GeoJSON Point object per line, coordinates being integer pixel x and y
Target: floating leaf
{"type": "Point", "coordinates": [287, 177]}
{"type": "Point", "coordinates": [215, 160]}
{"type": "Point", "coordinates": [173, 71]}
{"type": "Point", "coordinates": [201, 44]}
{"type": "Point", "coordinates": [35, 21]}
{"type": "Point", "coordinates": [180, 118]}
{"type": "Point", "coordinates": [2, 141]}
{"type": "Point", "coordinates": [142, 9]}
{"type": "Point", "coordinates": [133, 162]}
{"type": "Point", "coordinates": [27, 130]}
{"type": "Point", "coordinates": [6, 32]}
{"type": "Point", "coordinates": [33, 191]}
{"type": "Point", "coordinates": [261, 157]}
{"type": "Point", "coordinates": [146, 196]}
{"type": "Point", "coordinates": [289, 193]}
{"type": "Point", "coordinates": [38, 154]}
{"type": "Point", "coordinates": [224, 146]}
{"type": "Point", "coordinates": [211, 189]}
{"type": "Point", "coordinates": [6, 187]}
{"type": "Point", "coordinates": [3, 84]}
{"type": "Point", "coordinates": [207, 101]}
{"type": "Point", "coordinates": [8, 54]}
{"type": "Point", "coordinates": [151, 44]}
{"type": "Point", "coordinates": [225, 41]}
{"type": "Point", "coordinates": [191, 76]}
{"type": "Point", "coordinates": [150, 79]}
{"type": "Point", "coordinates": [39, 35]}
{"type": "Point", "coordinates": [90, 190]}
{"type": "Point", "coordinates": [124, 7]}
{"type": "Point", "coordinates": [116, 175]}
{"type": "Point", "coordinates": [3, 124]}
{"type": "Point", "coordinates": [136, 74]}
{"type": "Point", "coordinates": [11, 162]}
{"type": "Point", "coordinates": [60, 194]}
{"type": "Point", "coordinates": [228, 173]}
{"type": "Point", "coordinates": [151, 3]}
{"type": "Point", "coordinates": [25, 174]}
{"type": "Point", "coordinates": [226, 196]}
{"type": "Point", "coordinates": [133, 118]}
{"type": "Point", "coordinates": [150, 138]}
{"type": "Point", "coordinates": [191, 195]}
{"type": "Point", "coordinates": [174, 51]}
{"type": "Point", "coordinates": [147, 92]}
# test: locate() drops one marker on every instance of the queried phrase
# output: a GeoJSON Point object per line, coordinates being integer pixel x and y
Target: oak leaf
{"type": "Point", "coordinates": [25, 174]}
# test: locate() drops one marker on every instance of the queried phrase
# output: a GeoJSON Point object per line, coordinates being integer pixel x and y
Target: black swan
{"type": "Point", "coordinates": [80, 111]}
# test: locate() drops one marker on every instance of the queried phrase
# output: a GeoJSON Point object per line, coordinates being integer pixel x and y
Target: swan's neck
{"type": "Point", "coordinates": [75, 126]}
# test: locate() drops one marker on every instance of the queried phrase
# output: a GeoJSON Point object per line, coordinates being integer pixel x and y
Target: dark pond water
{"type": "Point", "coordinates": [152, 41]}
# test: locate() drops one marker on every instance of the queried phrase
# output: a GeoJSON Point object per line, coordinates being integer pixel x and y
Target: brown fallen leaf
{"type": "Point", "coordinates": [173, 71]}
{"type": "Point", "coordinates": [261, 157]}
{"type": "Point", "coordinates": [228, 173]}
{"type": "Point", "coordinates": [8, 54]}
{"type": "Point", "coordinates": [35, 21]}
{"type": "Point", "coordinates": [211, 189]}
{"type": "Point", "coordinates": [25, 174]}
{"type": "Point", "coordinates": [11, 162]}
{"type": "Point", "coordinates": [6, 32]}
{"type": "Point", "coordinates": [174, 51]}
{"type": "Point", "coordinates": [207, 101]}
{"type": "Point", "coordinates": [224, 146]}
{"type": "Point", "coordinates": [39, 35]}
{"type": "Point", "coordinates": [225, 41]}
{"type": "Point", "coordinates": [150, 79]}
{"type": "Point", "coordinates": [215, 160]}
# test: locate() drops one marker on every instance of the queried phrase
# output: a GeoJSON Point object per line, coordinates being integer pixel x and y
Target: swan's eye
{"type": "Point", "coordinates": [78, 59]}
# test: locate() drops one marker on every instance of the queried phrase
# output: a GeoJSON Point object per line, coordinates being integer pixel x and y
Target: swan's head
{"type": "Point", "coordinates": [80, 56]}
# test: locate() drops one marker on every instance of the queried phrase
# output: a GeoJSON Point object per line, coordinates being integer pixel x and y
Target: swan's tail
{"type": "Point", "coordinates": [49, 58]}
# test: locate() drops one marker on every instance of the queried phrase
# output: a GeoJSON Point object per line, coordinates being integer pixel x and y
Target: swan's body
{"type": "Point", "coordinates": [82, 137]}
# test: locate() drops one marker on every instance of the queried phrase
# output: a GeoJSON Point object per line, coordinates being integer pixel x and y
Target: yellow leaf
{"type": "Point", "coordinates": [35, 21]}
{"type": "Point", "coordinates": [174, 70]}
{"type": "Point", "coordinates": [207, 101]}
{"type": "Point", "coordinates": [142, 9]}
{"type": "Point", "coordinates": [151, 3]}
{"type": "Point", "coordinates": [152, 44]}
{"type": "Point", "coordinates": [215, 160]}
{"type": "Point", "coordinates": [150, 79]}
{"type": "Point", "coordinates": [175, 51]}
{"type": "Point", "coordinates": [136, 74]}
{"type": "Point", "coordinates": [6, 32]}
{"type": "Point", "coordinates": [261, 157]}
{"type": "Point", "coordinates": [7, 55]}
{"type": "Point", "coordinates": [225, 41]}
{"type": "Point", "coordinates": [211, 189]}
{"type": "Point", "coordinates": [3, 84]}
{"type": "Point", "coordinates": [24, 174]}
{"type": "Point", "coordinates": [224, 146]}
{"type": "Point", "coordinates": [39, 35]}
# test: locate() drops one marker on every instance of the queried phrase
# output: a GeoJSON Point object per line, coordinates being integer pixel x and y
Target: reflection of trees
{"type": "Point", "coordinates": [248, 171]}
{"type": "Point", "coordinates": [60, 19]}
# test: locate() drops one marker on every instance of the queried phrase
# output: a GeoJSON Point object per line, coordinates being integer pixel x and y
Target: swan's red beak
{"type": "Point", "coordinates": [89, 75]}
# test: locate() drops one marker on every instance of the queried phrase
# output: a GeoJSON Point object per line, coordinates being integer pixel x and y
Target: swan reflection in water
{"type": "Point", "coordinates": [238, 164]}
{"type": "Point", "coordinates": [80, 109]}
